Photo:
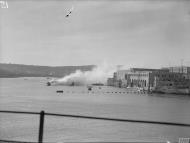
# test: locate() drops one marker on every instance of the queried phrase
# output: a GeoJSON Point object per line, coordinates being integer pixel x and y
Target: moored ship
{"type": "Point", "coordinates": [172, 90]}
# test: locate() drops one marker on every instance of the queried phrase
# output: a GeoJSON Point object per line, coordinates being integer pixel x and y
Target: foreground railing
{"type": "Point", "coordinates": [42, 116]}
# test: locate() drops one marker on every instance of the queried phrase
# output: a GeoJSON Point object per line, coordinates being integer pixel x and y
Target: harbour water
{"type": "Point", "coordinates": [32, 94]}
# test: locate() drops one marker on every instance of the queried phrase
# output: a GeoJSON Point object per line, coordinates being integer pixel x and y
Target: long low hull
{"type": "Point", "coordinates": [184, 91]}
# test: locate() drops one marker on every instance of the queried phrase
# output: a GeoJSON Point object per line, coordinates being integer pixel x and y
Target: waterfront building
{"type": "Point", "coordinates": [144, 69]}
{"type": "Point", "coordinates": [120, 78]}
{"type": "Point", "coordinates": [134, 77]}
{"type": "Point", "coordinates": [151, 79]}
{"type": "Point", "coordinates": [171, 82]}
{"type": "Point", "coordinates": [115, 81]}
{"type": "Point", "coordinates": [142, 77]}
{"type": "Point", "coordinates": [139, 79]}
{"type": "Point", "coordinates": [181, 69]}
{"type": "Point", "coordinates": [110, 82]}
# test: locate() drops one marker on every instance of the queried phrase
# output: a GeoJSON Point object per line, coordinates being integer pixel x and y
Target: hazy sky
{"type": "Point", "coordinates": [132, 33]}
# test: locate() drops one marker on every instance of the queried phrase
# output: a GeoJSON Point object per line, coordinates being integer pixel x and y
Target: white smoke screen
{"type": "Point", "coordinates": [98, 74]}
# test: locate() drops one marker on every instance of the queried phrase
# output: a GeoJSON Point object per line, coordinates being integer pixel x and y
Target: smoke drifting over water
{"type": "Point", "coordinates": [99, 74]}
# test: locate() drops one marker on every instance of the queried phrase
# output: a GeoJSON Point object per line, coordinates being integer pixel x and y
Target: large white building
{"type": "Point", "coordinates": [152, 79]}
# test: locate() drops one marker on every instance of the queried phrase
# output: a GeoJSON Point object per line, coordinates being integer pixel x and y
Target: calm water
{"type": "Point", "coordinates": [32, 94]}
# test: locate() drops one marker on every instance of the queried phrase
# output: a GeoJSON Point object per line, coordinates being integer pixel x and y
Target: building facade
{"type": "Point", "coordinates": [181, 69]}
{"type": "Point", "coordinates": [152, 79]}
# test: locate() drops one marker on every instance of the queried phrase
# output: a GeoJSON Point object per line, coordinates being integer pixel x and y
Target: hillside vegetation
{"type": "Point", "coordinates": [18, 70]}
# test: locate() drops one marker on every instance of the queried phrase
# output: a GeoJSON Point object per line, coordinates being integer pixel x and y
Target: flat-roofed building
{"type": "Point", "coordinates": [138, 79]}
{"type": "Point", "coordinates": [150, 79]}
{"type": "Point", "coordinates": [180, 69]}
{"type": "Point", "coordinates": [142, 77]}
{"type": "Point", "coordinates": [120, 78]}
{"type": "Point", "coordinates": [110, 82]}
{"type": "Point", "coordinates": [171, 82]}
{"type": "Point", "coordinates": [185, 70]}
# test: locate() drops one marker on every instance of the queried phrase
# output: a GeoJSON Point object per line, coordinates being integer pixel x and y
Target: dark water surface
{"type": "Point", "coordinates": [32, 94]}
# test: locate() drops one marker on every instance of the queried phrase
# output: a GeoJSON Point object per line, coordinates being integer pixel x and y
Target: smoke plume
{"type": "Point", "coordinates": [98, 74]}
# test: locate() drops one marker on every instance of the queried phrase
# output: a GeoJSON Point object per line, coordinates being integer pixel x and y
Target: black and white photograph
{"type": "Point", "coordinates": [94, 71]}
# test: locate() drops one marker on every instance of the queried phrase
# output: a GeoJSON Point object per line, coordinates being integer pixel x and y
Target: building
{"type": "Point", "coordinates": [110, 82]}
{"type": "Point", "coordinates": [171, 82]}
{"type": "Point", "coordinates": [115, 81]}
{"type": "Point", "coordinates": [120, 78]}
{"type": "Point", "coordinates": [134, 77]}
{"type": "Point", "coordinates": [152, 79]}
{"type": "Point", "coordinates": [181, 69]}
{"type": "Point", "coordinates": [138, 79]}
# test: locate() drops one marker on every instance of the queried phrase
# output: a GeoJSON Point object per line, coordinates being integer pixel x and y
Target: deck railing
{"type": "Point", "coordinates": [42, 115]}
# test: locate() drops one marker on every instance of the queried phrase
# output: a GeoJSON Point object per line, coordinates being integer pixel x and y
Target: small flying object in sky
{"type": "Point", "coordinates": [70, 11]}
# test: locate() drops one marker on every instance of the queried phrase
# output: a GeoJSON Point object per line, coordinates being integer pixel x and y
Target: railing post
{"type": "Point", "coordinates": [41, 127]}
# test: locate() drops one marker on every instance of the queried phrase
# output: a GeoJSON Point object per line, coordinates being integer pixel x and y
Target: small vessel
{"type": "Point", "coordinates": [172, 90]}
{"type": "Point", "coordinates": [89, 88]}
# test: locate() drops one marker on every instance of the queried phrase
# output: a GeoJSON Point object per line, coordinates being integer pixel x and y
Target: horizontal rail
{"type": "Point", "coordinates": [10, 141]}
{"type": "Point", "coordinates": [119, 120]}
{"type": "Point", "coordinates": [101, 118]}
{"type": "Point", "coordinates": [19, 112]}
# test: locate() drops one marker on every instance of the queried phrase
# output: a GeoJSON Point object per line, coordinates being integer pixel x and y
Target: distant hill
{"type": "Point", "coordinates": [18, 70]}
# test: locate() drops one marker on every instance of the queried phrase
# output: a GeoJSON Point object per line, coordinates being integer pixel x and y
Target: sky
{"type": "Point", "coordinates": [140, 33]}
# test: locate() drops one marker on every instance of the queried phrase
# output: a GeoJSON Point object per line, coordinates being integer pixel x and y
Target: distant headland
{"type": "Point", "coordinates": [20, 70]}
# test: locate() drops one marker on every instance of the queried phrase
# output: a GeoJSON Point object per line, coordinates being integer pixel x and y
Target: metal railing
{"type": "Point", "coordinates": [42, 116]}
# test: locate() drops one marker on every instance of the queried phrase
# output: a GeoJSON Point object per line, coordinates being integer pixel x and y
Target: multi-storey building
{"type": "Point", "coordinates": [152, 79]}
{"type": "Point", "coordinates": [181, 69]}
{"type": "Point", "coordinates": [120, 78]}
{"type": "Point", "coordinates": [171, 82]}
